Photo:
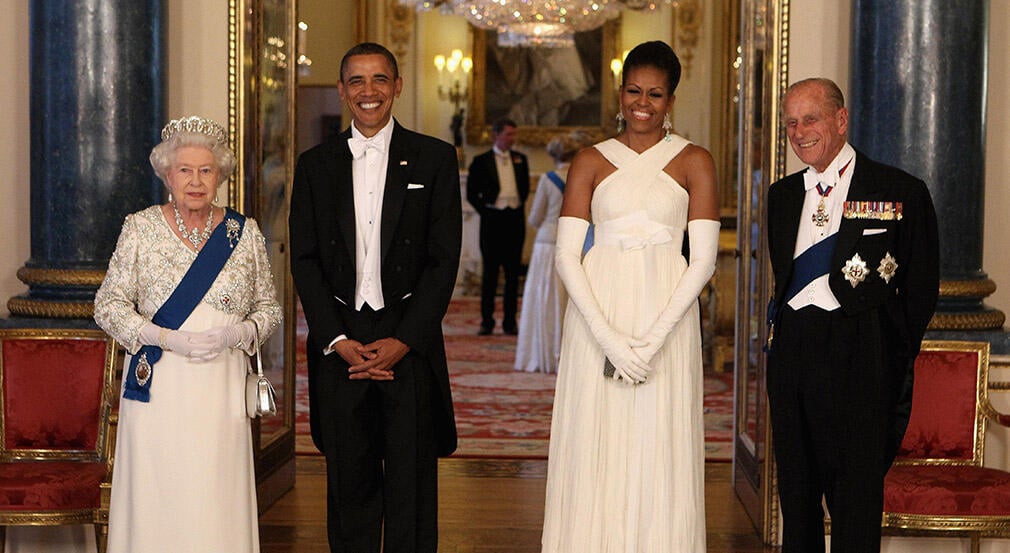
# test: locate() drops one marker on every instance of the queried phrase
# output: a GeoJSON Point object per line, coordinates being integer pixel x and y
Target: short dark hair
{"type": "Point", "coordinates": [500, 124]}
{"type": "Point", "coordinates": [366, 48]}
{"type": "Point", "coordinates": [654, 53]}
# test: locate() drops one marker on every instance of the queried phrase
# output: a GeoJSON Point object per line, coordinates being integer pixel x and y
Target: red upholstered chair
{"type": "Point", "coordinates": [56, 394]}
{"type": "Point", "coordinates": [938, 484]}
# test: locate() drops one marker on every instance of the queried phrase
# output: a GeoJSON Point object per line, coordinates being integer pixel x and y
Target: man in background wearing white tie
{"type": "Point", "coordinates": [375, 230]}
{"type": "Point", "coordinates": [497, 185]}
{"type": "Point", "coordinates": [853, 246]}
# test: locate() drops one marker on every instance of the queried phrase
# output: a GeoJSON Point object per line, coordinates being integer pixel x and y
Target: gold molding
{"type": "Point", "coordinates": [688, 16]}
{"type": "Point", "coordinates": [32, 518]}
{"type": "Point", "coordinates": [29, 307]}
{"type": "Point", "coordinates": [60, 277]}
{"type": "Point", "coordinates": [401, 23]}
{"type": "Point", "coordinates": [976, 320]}
{"type": "Point", "coordinates": [979, 288]}
{"type": "Point", "coordinates": [237, 78]}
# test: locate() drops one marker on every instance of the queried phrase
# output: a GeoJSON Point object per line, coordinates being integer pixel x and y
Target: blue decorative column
{"type": "Point", "coordinates": [918, 88]}
{"type": "Point", "coordinates": [96, 111]}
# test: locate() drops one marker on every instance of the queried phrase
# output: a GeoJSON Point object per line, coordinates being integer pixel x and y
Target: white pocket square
{"type": "Point", "coordinates": [872, 231]}
{"type": "Point", "coordinates": [413, 186]}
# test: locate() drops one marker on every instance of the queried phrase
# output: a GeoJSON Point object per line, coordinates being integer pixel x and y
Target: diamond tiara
{"type": "Point", "coordinates": [195, 124]}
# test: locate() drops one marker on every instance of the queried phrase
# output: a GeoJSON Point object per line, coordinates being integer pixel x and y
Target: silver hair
{"type": "Point", "coordinates": [163, 155]}
{"type": "Point", "coordinates": [563, 147]}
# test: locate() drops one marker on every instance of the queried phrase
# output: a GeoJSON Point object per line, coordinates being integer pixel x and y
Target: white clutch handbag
{"type": "Point", "coordinates": [260, 398]}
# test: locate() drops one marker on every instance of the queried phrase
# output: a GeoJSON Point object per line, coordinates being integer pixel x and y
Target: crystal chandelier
{"type": "Point", "coordinates": [536, 23]}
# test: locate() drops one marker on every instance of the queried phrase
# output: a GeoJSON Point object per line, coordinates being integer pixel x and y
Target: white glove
{"type": "Point", "coordinates": [617, 347]}
{"type": "Point", "coordinates": [239, 336]}
{"type": "Point", "coordinates": [193, 345]}
{"type": "Point", "coordinates": [703, 236]}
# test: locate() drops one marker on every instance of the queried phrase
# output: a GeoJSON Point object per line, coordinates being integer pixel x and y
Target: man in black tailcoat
{"type": "Point", "coordinates": [853, 247]}
{"type": "Point", "coordinates": [497, 185]}
{"type": "Point", "coordinates": [375, 231]}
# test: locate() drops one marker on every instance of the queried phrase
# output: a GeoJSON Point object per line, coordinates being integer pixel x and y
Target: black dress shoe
{"type": "Point", "coordinates": [511, 330]}
{"type": "Point", "coordinates": [484, 331]}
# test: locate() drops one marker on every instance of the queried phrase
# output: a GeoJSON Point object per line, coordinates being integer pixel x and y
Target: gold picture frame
{"type": "Point", "coordinates": [601, 97]}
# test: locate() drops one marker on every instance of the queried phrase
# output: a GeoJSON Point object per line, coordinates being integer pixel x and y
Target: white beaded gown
{"type": "Point", "coordinates": [539, 342]}
{"type": "Point", "coordinates": [183, 478]}
{"type": "Point", "coordinates": [626, 463]}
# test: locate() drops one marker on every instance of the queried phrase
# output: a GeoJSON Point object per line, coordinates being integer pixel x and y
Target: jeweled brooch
{"type": "Point", "coordinates": [855, 270]}
{"type": "Point", "coordinates": [233, 228]}
{"type": "Point", "coordinates": [143, 370]}
{"type": "Point", "coordinates": [888, 266]}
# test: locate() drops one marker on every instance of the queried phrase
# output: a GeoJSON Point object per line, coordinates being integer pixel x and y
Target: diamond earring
{"type": "Point", "coordinates": [620, 122]}
{"type": "Point", "coordinates": [668, 127]}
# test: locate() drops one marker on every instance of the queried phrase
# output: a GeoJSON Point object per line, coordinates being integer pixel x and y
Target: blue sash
{"type": "Point", "coordinates": [813, 263]}
{"type": "Point", "coordinates": [556, 179]}
{"type": "Point", "coordinates": [184, 299]}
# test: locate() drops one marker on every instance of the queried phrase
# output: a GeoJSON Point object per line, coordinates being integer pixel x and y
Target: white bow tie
{"type": "Point", "coordinates": [829, 178]}
{"type": "Point", "coordinates": [359, 145]}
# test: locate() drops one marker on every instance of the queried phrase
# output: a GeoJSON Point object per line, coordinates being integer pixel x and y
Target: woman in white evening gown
{"type": "Point", "coordinates": [187, 293]}
{"type": "Point", "coordinates": [539, 343]}
{"type": "Point", "coordinates": [626, 464]}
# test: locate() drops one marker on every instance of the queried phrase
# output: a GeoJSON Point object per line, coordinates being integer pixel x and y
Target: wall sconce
{"type": "Point", "coordinates": [616, 67]}
{"type": "Point", "coordinates": [303, 61]}
{"type": "Point", "coordinates": [456, 69]}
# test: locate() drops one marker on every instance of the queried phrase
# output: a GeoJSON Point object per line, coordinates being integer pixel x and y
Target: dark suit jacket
{"type": "Point", "coordinates": [482, 186]}
{"type": "Point", "coordinates": [907, 302]}
{"type": "Point", "coordinates": [421, 230]}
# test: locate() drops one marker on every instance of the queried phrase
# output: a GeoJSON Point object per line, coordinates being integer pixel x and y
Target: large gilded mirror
{"type": "Point", "coordinates": [763, 75]}
{"type": "Point", "coordinates": [261, 120]}
{"type": "Point", "coordinates": [546, 91]}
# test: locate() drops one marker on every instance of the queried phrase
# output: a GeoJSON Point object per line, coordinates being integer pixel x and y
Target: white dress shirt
{"type": "Point", "coordinates": [508, 192]}
{"type": "Point", "coordinates": [818, 293]}
{"type": "Point", "coordinates": [369, 174]}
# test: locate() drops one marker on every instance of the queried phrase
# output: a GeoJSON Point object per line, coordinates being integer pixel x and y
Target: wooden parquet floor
{"type": "Point", "coordinates": [486, 506]}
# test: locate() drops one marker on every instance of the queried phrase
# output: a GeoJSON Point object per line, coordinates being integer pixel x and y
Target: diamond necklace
{"type": "Point", "coordinates": [195, 238]}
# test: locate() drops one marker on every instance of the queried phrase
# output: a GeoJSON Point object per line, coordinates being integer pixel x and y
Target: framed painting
{"type": "Point", "coordinates": [546, 91]}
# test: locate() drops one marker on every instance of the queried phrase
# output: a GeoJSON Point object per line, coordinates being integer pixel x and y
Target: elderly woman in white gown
{"type": "Point", "coordinates": [544, 298]}
{"type": "Point", "coordinates": [188, 292]}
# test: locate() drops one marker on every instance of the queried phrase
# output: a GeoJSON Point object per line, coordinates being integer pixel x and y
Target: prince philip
{"type": "Point", "coordinates": [375, 229]}
{"type": "Point", "coordinates": [853, 247]}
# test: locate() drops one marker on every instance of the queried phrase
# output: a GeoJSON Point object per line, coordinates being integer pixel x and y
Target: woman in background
{"type": "Point", "coordinates": [187, 293]}
{"type": "Point", "coordinates": [544, 299]}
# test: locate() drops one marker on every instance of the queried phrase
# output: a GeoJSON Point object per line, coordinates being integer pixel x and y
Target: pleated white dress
{"type": "Point", "coordinates": [539, 343]}
{"type": "Point", "coordinates": [183, 477]}
{"type": "Point", "coordinates": [626, 465]}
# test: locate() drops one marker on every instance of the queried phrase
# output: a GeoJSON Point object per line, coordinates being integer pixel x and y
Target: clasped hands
{"type": "Point", "coordinates": [631, 356]}
{"type": "Point", "coordinates": [200, 346]}
{"type": "Point", "coordinates": [372, 361]}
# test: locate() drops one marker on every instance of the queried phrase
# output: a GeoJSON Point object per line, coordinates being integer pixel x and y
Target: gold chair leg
{"type": "Point", "coordinates": [101, 536]}
{"type": "Point", "coordinates": [976, 543]}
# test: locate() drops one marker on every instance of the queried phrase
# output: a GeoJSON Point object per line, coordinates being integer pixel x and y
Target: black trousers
{"type": "Point", "coordinates": [501, 246]}
{"type": "Point", "coordinates": [381, 461]}
{"type": "Point", "coordinates": [831, 398]}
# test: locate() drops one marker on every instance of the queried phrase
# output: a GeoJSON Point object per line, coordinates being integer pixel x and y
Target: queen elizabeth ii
{"type": "Point", "coordinates": [188, 292]}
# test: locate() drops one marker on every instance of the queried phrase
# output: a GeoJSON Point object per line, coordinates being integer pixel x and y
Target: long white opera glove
{"type": "Point", "coordinates": [193, 345]}
{"type": "Point", "coordinates": [239, 336]}
{"type": "Point", "coordinates": [617, 347]}
{"type": "Point", "coordinates": [703, 236]}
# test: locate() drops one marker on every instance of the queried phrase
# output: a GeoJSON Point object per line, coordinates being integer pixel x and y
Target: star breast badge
{"type": "Point", "coordinates": [855, 270]}
{"type": "Point", "coordinates": [888, 266]}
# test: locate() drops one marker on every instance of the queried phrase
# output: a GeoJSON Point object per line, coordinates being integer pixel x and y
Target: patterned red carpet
{"type": "Point", "coordinates": [504, 413]}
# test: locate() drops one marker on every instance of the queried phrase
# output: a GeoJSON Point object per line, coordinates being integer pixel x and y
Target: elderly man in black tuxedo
{"type": "Point", "coordinates": [497, 185]}
{"type": "Point", "coordinates": [375, 230]}
{"type": "Point", "coordinates": [853, 247]}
